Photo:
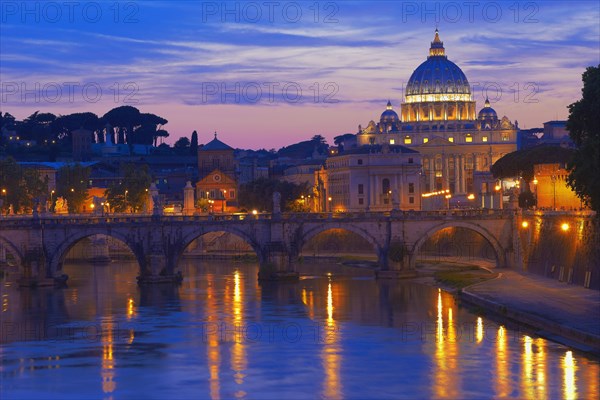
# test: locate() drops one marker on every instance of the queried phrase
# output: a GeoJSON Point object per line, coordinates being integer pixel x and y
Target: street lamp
{"type": "Point", "coordinates": [554, 178]}
{"type": "Point", "coordinates": [329, 203]}
{"type": "Point", "coordinates": [126, 205]}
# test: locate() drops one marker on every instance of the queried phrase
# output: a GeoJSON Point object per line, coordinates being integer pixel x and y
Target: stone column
{"type": "Point", "coordinates": [188, 199]}
{"type": "Point", "coordinates": [462, 174]}
{"type": "Point", "coordinates": [456, 174]}
{"type": "Point", "coordinates": [446, 172]}
{"type": "Point", "coordinates": [432, 174]}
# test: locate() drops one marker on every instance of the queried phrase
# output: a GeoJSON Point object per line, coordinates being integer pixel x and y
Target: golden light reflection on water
{"type": "Point", "coordinates": [527, 383]}
{"type": "Point", "coordinates": [569, 383]}
{"type": "Point", "coordinates": [330, 354]}
{"type": "Point", "coordinates": [479, 331]}
{"type": "Point", "coordinates": [239, 361]}
{"type": "Point", "coordinates": [502, 382]}
{"type": "Point", "coordinates": [108, 362]}
{"type": "Point", "coordinates": [212, 338]}
{"type": "Point", "coordinates": [540, 363]}
{"type": "Point", "coordinates": [130, 308]}
{"type": "Point", "coordinates": [446, 382]}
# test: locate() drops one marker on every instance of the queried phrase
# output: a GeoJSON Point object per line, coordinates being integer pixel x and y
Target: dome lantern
{"type": "Point", "coordinates": [437, 46]}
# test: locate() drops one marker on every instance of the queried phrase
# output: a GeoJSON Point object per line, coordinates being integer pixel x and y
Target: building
{"type": "Point", "coordinates": [438, 119]}
{"type": "Point", "coordinates": [217, 183]}
{"type": "Point", "coordinates": [374, 178]}
{"type": "Point", "coordinates": [81, 140]}
{"type": "Point", "coordinates": [551, 189]}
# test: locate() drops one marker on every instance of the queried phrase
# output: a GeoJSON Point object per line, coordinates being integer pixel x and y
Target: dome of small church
{"type": "Point", "coordinates": [487, 112]}
{"type": "Point", "coordinates": [389, 115]}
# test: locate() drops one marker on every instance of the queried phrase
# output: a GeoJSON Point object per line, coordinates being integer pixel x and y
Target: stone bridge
{"type": "Point", "coordinates": [40, 243]}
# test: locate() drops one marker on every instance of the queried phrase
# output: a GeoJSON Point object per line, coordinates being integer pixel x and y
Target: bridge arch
{"type": "Point", "coordinates": [489, 237]}
{"type": "Point", "coordinates": [13, 250]}
{"type": "Point", "coordinates": [194, 234]}
{"type": "Point", "coordinates": [58, 256]}
{"type": "Point", "coordinates": [316, 230]}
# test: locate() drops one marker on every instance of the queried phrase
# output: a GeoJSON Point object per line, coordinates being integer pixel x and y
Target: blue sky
{"type": "Point", "coordinates": [266, 74]}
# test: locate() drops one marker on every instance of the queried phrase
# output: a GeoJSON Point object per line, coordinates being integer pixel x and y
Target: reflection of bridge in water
{"type": "Point", "coordinates": [40, 244]}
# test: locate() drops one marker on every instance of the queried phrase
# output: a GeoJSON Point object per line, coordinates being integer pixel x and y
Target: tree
{"type": "Point", "coordinates": [258, 194]}
{"type": "Point", "coordinates": [194, 144]}
{"type": "Point", "coordinates": [584, 129]}
{"type": "Point", "coordinates": [19, 186]}
{"type": "Point", "coordinates": [520, 163]}
{"type": "Point", "coordinates": [182, 145]}
{"type": "Point", "coordinates": [132, 191]}
{"type": "Point", "coordinates": [125, 119]}
{"type": "Point", "coordinates": [71, 185]}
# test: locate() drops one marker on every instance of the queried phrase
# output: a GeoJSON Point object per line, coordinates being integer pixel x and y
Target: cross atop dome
{"type": "Point", "coordinates": [437, 46]}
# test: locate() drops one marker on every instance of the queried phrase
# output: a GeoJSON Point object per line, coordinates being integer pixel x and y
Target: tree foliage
{"type": "Point", "coordinates": [131, 192]}
{"type": "Point", "coordinates": [521, 162]}
{"type": "Point", "coordinates": [20, 187]}
{"type": "Point", "coordinates": [258, 194]}
{"type": "Point", "coordinates": [584, 129]}
{"type": "Point", "coordinates": [71, 185]}
{"type": "Point", "coordinates": [194, 144]}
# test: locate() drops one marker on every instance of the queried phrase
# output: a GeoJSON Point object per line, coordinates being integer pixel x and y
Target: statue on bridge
{"type": "Point", "coordinates": [61, 206]}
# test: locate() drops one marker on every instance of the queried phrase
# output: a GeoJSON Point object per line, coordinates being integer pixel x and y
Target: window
{"type": "Point", "coordinates": [468, 138]}
{"type": "Point", "coordinates": [451, 139]}
{"type": "Point", "coordinates": [385, 186]}
{"type": "Point", "coordinates": [392, 141]}
{"type": "Point", "coordinates": [484, 139]}
{"type": "Point", "coordinates": [411, 200]}
{"type": "Point", "coordinates": [411, 160]}
{"type": "Point", "coordinates": [361, 201]}
{"type": "Point", "coordinates": [425, 140]}
{"type": "Point", "coordinates": [232, 194]}
{"type": "Point", "coordinates": [360, 161]}
{"type": "Point", "coordinates": [411, 188]}
{"type": "Point", "coordinates": [407, 140]}
{"type": "Point", "coordinates": [361, 188]}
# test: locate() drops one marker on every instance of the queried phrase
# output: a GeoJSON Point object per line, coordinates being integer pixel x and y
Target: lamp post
{"type": "Point", "coordinates": [126, 205]}
{"type": "Point", "coordinates": [535, 182]}
{"type": "Point", "coordinates": [223, 200]}
{"type": "Point", "coordinates": [329, 204]}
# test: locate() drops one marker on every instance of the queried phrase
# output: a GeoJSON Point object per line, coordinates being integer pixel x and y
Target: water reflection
{"type": "Point", "coordinates": [331, 353]}
{"type": "Point", "coordinates": [202, 339]}
{"type": "Point", "coordinates": [569, 366]}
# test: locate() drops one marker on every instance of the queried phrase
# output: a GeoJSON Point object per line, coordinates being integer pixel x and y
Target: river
{"type": "Point", "coordinates": [337, 333]}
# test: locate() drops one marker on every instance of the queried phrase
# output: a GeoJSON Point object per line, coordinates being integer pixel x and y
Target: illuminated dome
{"type": "Point", "coordinates": [438, 90]}
{"type": "Point", "coordinates": [487, 112]}
{"type": "Point", "coordinates": [389, 115]}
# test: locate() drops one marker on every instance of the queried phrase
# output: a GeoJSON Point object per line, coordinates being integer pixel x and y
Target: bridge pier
{"type": "Point", "coordinates": [394, 262]}
{"type": "Point", "coordinates": [158, 270]}
{"type": "Point", "coordinates": [276, 264]}
{"type": "Point", "coordinates": [34, 271]}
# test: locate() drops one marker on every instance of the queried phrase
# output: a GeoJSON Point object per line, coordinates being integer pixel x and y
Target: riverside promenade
{"type": "Point", "coordinates": [555, 310]}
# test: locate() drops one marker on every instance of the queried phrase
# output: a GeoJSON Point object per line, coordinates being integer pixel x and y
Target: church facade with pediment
{"type": "Point", "coordinates": [438, 119]}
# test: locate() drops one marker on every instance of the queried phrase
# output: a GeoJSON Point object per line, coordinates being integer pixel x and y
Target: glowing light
{"type": "Point", "coordinates": [569, 388]}
{"type": "Point", "coordinates": [130, 308]}
{"type": "Point", "coordinates": [497, 187]}
{"type": "Point", "coordinates": [329, 304]}
{"type": "Point", "coordinates": [525, 224]}
{"type": "Point", "coordinates": [254, 212]}
{"type": "Point", "coordinates": [565, 227]}
{"type": "Point", "coordinates": [420, 98]}
{"type": "Point", "coordinates": [479, 331]}
{"type": "Point", "coordinates": [471, 196]}
{"type": "Point", "coordinates": [535, 181]}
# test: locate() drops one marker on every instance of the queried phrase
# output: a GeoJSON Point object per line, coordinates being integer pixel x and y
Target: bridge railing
{"type": "Point", "coordinates": [124, 218]}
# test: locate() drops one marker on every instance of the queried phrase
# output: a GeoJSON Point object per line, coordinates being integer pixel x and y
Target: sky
{"type": "Point", "coordinates": [265, 74]}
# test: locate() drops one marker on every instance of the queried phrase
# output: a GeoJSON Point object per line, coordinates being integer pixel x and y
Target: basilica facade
{"type": "Point", "coordinates": [438, 118]}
